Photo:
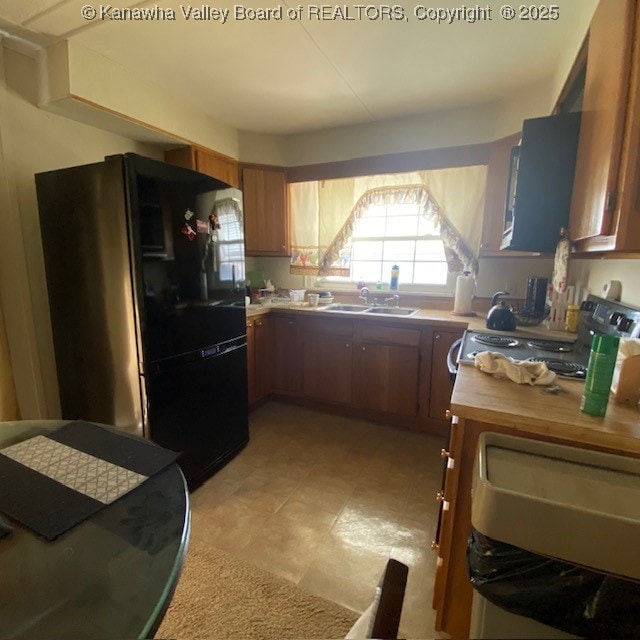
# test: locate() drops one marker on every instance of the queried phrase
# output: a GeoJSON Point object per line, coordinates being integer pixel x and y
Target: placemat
{"type": "Point", "coordinates": [50, 483]}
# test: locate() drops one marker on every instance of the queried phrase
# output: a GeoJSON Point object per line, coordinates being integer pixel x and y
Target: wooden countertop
{"type": "Point", "coordinates": [485, 398]}
{"type": "Point", "coordinates": [431, 317]}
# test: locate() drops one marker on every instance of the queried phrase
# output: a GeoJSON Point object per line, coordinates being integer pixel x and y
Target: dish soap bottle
{"type": "Point", "coordinates": [395, 274]}
{"type": "Point", "coordinates": [597, 385]}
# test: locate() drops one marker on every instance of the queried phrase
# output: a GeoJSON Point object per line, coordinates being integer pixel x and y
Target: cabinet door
{"type": "Point", "coordinates": [603, 117]}
{"type": "Point", "coordinates": [251, 362]}
{"type": "Point", "coordinates": [217, 166]}
{"type": "Point", "coordinates": [266, 222]}
{"type": "Point", "coordinates": [285, 354]}
{"type": "Point", "coordinates": [441, 384]}
{"type": "Point", "coordinates": [326, 369]}
{"type": "Point", "coordinates": [386, 378]}
{"type": "Point", "coordinates": [263, 357]}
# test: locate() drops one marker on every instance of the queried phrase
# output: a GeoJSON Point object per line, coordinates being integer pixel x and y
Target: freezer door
{"type": "Point", "coordinates": [200, 408]}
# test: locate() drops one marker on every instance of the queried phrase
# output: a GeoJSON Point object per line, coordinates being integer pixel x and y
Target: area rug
{"type": "Point", "coordinates": [220, 596]}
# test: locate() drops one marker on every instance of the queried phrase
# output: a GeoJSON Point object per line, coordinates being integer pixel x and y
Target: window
{"type": "Point", "coordinates": [396, 234]}
{"type": "Point", "coordinates": [230, 246]}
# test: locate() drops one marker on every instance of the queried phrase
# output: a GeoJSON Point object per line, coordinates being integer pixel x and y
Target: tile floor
{"type": "Point", "coordinates": [323, 501]}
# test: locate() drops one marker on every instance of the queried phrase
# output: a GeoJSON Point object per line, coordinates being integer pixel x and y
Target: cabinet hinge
{"type": "Point", "coordinates": [611, 201]}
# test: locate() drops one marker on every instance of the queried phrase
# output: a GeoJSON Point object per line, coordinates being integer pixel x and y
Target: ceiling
{"type": "Point", "coordinates": [294, 75]}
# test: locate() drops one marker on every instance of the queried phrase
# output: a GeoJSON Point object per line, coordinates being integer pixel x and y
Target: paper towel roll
{"type": "Point", "coordinates": [464, 294]}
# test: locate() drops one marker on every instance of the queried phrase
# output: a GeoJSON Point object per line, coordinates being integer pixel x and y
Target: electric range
{"type": "Point", "coordinates": [567, 358]}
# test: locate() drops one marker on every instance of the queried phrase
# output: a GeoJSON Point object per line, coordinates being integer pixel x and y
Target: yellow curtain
{"type": "Point", "coordinates": [321, 211]}
{"type": "Point", "coordinates": [8, 401]}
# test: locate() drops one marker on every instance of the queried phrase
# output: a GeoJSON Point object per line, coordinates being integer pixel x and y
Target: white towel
{"type": "Point", "coordinates": [519, 371]}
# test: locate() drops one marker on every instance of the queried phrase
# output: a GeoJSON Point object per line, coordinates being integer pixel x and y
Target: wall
{"type": "Point", "coordinates": [31, 141]}
{"type": "Point", "coordinates": [591, 276]}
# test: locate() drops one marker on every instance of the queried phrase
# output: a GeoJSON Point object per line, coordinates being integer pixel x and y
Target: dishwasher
{"type": "Point", "coordinates": [553, 551]}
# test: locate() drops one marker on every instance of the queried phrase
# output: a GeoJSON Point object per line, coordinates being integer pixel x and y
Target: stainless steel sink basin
{"type": "Point", "coordinates": [392, 311]}
{"type": "Point", "coordinates": [352, 308]}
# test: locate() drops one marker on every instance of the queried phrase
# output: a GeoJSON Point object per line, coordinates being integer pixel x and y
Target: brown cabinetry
{"type": "Point", "coordinates": [266, 220]}
{"type": "Point", "coordinates": [386, 372]}
{"type": "Point", "coordinates": [327, 360]}
{"type": "Point", "coordinates": [259, 356]}
{"type": "Point", "coordinates": [605, 197]}
{"type": "Point", "coordinates": [284, 330]}
{"type": "Point", "coordinates": [205, 161]}
{"type": "Point", "coordinates": [438, 382]}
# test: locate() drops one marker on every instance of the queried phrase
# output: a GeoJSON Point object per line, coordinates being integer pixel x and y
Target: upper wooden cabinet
{"type": "Point", "coordinates": [606, 188]}
{"type": "Point", "coordinates": [205, 161]}
{"type": "Point", "coordinates": [266, 217]}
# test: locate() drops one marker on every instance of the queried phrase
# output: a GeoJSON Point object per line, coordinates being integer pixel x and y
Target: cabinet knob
{"type": "Point", "coordinates": [444, 453]}
{"type": "Point", "coordinates": [290, 323]}
{"type": "Point", "coordinates": [347, 345]}
{"type": "Point", "coordinates": [440, 496]}
{"type": "Point", "coordinates": [447, 414]}
{"type": "Point", "coordinates": [258, 323]}
{"type": "Point", "coordinates": [435, 545]}
{"type": "Point", "coordinates": [437, 336]}
{"type": "Point", "coordinates": [364, 348]}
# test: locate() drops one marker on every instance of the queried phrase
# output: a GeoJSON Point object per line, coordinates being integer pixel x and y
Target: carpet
{"type": "Point", "coordinates": [220, 596]}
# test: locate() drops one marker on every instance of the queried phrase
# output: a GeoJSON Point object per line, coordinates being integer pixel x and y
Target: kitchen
{"type": "Point", "coordinates": [36, 140]}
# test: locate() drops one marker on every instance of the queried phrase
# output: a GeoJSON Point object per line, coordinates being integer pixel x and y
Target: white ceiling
{"type": "Point", "coordinates": [291, 76]}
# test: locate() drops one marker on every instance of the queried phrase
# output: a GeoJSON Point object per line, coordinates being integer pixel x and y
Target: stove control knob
{"type": "Point", "coordinates": [587, 305]}
{"type": "Point", "coordinates": [624, 324]}
{"type": "Point", "coordinates": [616, 317]}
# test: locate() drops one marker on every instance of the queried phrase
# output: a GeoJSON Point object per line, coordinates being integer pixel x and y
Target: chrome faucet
{"type": "Point", "coordinates": [364, 295]}
{"type": "Point", "coordinates": [395, 299]}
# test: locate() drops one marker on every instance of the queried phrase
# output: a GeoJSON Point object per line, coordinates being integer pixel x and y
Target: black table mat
{"type": "Point", "coordinates": [53, 482]}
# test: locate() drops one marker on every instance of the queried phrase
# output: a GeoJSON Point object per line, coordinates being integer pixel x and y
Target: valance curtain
{"type": "Point", "coordinates": [324, 213]}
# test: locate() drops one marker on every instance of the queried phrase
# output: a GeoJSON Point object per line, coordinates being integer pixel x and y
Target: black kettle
{"type": "Point", "coordinates": [500, 316]}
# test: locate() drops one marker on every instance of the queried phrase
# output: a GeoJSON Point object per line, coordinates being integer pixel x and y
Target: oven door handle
{"type": "Point", "coordinates": [451, 365]}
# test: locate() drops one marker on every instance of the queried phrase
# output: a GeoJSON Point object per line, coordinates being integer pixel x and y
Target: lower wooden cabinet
{"type": "Point", "coordinates": [441, 384]}
{"type": "Point", "coordinates": [376, 369]}
{"type": "Point", "coordinates": [286, 357]}
{"type": "Point", "coordinates": [259, 356]}
{"type": "Point", "coordinates": [327, 369]}
{"type": "Point", "coordinates": [386, 369]}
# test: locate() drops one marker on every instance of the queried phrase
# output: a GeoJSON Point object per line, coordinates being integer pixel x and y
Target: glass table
{"type": "Point", "coordinates": [111, 576]}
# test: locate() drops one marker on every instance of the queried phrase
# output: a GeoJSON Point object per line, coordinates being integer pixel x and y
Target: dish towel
{"type": "Point", "coordinates": [519, 371]}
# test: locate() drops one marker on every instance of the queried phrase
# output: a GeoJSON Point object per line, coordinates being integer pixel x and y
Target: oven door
{"type": "Point", "coordinates": [452, 358]}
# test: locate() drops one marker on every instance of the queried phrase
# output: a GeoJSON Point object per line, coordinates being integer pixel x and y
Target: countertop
{"type": "Point", "coordinates": [431, 317]}
{"type": "Point", "coordinates": [482, 397]}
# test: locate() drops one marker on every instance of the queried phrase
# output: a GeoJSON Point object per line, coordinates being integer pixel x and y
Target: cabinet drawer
{"type": "Point", "coordinates": [329, 326]}
{"type": "Point", "coordinates": [391, 335]}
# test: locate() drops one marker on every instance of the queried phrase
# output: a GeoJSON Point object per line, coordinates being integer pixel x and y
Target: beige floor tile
{"type": "Point", "coordinates": [308, 514]}
{"type": "Point", "coordinates": [343, 573]}
{"type": "Point", "coordinates": [229, 526]}
{"type": "Point", "coordinates": [284, 547]}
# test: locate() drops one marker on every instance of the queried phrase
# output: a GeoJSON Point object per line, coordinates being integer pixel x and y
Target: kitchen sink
{"type": "Point", "coordinates": [392, 311]}
{"type": "Point", "coordinates": [353, 308]}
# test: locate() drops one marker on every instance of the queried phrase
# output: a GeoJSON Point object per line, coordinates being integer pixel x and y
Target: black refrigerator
{"type": "Point", "coordinates": [145, 266]}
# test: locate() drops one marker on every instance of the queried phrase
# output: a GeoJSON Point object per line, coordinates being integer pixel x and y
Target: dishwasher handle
{"type": "Point", "coordinates": [451, 364]}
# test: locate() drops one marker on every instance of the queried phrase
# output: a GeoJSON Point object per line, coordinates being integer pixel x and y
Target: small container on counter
{"type": "Point", "coordinates": [572, 319]}
{"type": "Point", "coordinates": [597, 385]}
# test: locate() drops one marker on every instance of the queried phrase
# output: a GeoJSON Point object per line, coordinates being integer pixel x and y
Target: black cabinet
{"type": "Point", "coordinates": [541, 183]}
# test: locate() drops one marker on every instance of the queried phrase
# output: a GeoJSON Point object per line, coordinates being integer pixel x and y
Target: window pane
{"type": "Point", "coordinates": [402, 210]}
{"type": "Point", "coordinates": [429, 250]}
{"type": "Point", "coordinates": [431, 273]}
{"type": "Point", "coordinates": [376, 210]}
{"type": "Point", "coordinates": [427, 227]}
{"type": "Point", "coordinates": [406, 271]}
{"type": "Point", "coordinates": [399, 249]}
{"type": "Point", "coordinates": [402, 226]}
{"type": "Point", "coordinates": [367, 271]}
{"type": "Point", "coordinates": [229, 227]}
{"type": "Point", "coordinates": [226, 271]}
{"type": "Point", "coordinates": [367, 250]}
{"type": "Point", "coordinates": [369, 227]}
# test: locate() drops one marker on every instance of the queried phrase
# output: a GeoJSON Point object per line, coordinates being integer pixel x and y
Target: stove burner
{"type": "Point", "coordinates": [563, 367]}
{"type": "Point", "coordinates": [550, 345]}
{"type": "Point", "coordinates": [494, 340]}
